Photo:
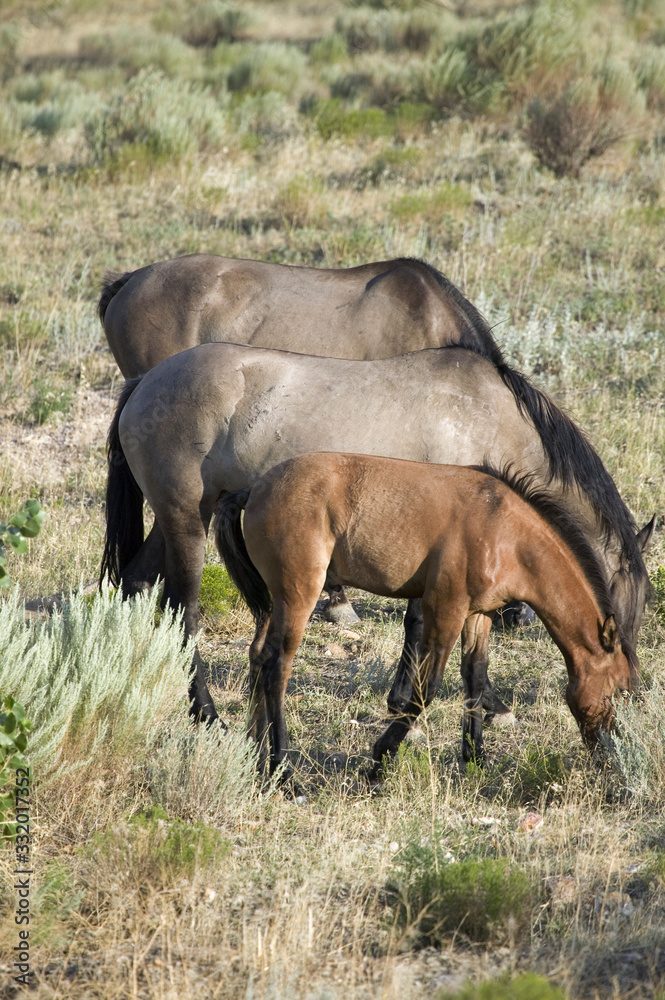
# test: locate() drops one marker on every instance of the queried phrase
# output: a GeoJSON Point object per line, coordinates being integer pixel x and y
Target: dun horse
{"type": "Point", "coordinates": [458, 538]}
{"type": "Point", "coordinates": [373, 311]}
{"type": "Point", "coordinates": [217, 417]}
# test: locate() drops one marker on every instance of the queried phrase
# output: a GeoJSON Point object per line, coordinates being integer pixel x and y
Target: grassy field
{"type": "Point", "coordinates": [520, 149]}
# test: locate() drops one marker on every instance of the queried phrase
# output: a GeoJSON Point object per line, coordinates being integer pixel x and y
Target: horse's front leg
{"type": "Point", "coordinates": [475, 642]}
{"type": "Point", "coordinates": [441, 627]}
{"type": "Point", "coordinates": [401, 690]}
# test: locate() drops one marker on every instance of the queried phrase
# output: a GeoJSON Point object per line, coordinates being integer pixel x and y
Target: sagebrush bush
{"type": "Point", "coordinates": [134, 49]}
{"type": "Point", "coordinates": [649, 69]}
{"type": "Point", "coordinates": [271, 66]}
{"type": "Point", "coordinates": [639, 743]}
{"type": "Point", "coordinates": [566, 130]}
{"type": "Point", "coordinates": [416, 30]}
{"type": "Point", "coordinates": [161, 117]}
{"type": "Point", "coordinates": [208, 23]}
{"type": "Point", "coordinates": [100, 680]}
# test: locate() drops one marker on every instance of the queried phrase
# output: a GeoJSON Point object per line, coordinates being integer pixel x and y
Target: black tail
{"type": "Point", "coordinates": [124, 501]}
{"type": "Point", "coordinates": [231, 547]}
{"type": "Point", "coordinates": [113, 282]}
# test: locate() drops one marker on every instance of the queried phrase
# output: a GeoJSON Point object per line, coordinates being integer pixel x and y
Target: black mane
{"type": "Point", "coordinates": [477, 335]}
{"type": "Point", "coordinates": [562, 521]}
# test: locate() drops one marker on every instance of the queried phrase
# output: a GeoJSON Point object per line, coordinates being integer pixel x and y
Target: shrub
{"type": "Point", "coordinates": [271, 66]}
{"type": "Point", "coordinates": [134, 49]}
{"type": "Point", "coordinates": [10, 36]}
{"type": "Point", "coordinates": [566, 130]}
{"type": "Point", "coordinates": [513, 55]}
{"type": "Point", "coordinates": [538, 774]}
{"type": "Point", "coordinates": [209, 23]}
{"type": "Point", "coordinates": [14, 729]}
{"type": "Point", "coordinates": [650, 75]}
{"type": "Point", "coordinates": [100, 680]}
{"type": "Point", "coordinates": [10, 129]}
{"type": "Point", "coordinates": [263, 115]}
{"type": "Point", "coordinates": [527, 986]}
{"type": "Point", "coordinates": [48, 397]}
{"type": "Point", "coordinates": [445, 198]}
{"type": "Point", "coordinates": [482, 898]}
{"type": "Point", "coordinates": [391, 30]}
{"type": "Point", "coordinates": [333, 119]}
{"type": "Point", "coordinates": [156, 117]}
{"type": "Point", "coordinates": [200, 775]}
{"type": "Point", "coordinates": [639, 744]}
{"type": "Point", "coordinates": [218, 594]}
{"type": "Point", "coordinates": [158, 849]}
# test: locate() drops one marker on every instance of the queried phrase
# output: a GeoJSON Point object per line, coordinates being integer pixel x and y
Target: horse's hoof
{"type": "Point", "coordinates": [340, 614]}
{"type": "Point", "coordinates": [501, 720]}
{"type": "Point", "coordinates": [515, 615]}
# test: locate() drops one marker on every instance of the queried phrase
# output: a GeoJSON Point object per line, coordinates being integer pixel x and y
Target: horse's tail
{"type": "Point", "coordinates": [232, 549]}
{"type": "Point", "coordinates": [124, 501]}
{"type": "Point", "coordinates": [113, 282]}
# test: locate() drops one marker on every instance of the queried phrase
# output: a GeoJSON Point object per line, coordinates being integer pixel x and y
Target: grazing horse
{"type": "Point", "coordinates": [463, 540]}
{"type": "Point", "coordinates": [217, 417]}
{"type": "Point", "coordinates": [373, 311]}
{"type": "Point", "coordinates": [377, 310]}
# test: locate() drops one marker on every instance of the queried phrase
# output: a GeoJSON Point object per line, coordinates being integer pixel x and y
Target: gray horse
{"type": "Point", "coordinates": [215, 418]}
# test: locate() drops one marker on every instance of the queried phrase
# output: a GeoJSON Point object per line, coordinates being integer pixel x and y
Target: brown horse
{"type": "Point", "coordinates": [377, 310]}
{"type": "Point", "coordinates": [219, 416]}
{"type": "Point", "coordinates": [458, 538]}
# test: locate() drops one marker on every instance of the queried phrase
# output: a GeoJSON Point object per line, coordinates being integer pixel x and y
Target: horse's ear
{"type": "Point", "coordinates": [645, 535]}
{"type": "Point", "coordinates": [609, 635]}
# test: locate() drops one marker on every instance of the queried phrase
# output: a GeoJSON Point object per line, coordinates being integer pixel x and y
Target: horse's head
{"type": "Point", "coordinates": [629, 585]}
{"type": "Point", "coordinates": [599, 678]}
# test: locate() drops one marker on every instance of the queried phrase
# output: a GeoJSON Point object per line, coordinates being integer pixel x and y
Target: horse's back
{"type": "Point", "coordinates": [375, 310]}
{"type": "Point", "coordinates": [377, 529]}
{"type": "Point", "coordinates": [247, 409]}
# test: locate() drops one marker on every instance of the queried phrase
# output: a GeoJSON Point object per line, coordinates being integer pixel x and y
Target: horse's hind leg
{"type": "Point", "coordinates": [185, 552]}
{"type": "Point", "coordinates": [288, 621]}
{"type": "Point", "coordinates": [257, 726]}
{"type": "Point", "coordinates": [148, 564]}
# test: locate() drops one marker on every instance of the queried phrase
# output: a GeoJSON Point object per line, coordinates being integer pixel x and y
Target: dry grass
{"type": "Point", "coordinates": [273, 899]}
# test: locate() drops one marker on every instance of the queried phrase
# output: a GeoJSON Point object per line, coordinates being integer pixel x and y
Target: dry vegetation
{"type": "Point", "coordinates": [520, 150]}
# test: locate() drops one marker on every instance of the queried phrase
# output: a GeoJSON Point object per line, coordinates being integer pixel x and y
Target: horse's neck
{"type": "Point", "coordinates": [562, 596]}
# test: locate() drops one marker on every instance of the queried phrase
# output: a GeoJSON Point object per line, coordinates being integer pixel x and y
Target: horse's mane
{"type": "Point", "coordinates": [562, 521]}
{"type": "Point", "coordinates": [573, 461]}
{"type": "Point", "coordinates": [569, 529]}
{"type": "Point", "coordinates": [482, 340]}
